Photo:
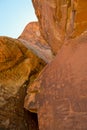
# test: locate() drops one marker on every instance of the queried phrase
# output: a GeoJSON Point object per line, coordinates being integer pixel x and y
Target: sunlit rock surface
{"type": "Point", "coordinates": [59, 94]}
{"type": "Point", "coordinates": [60, 20]}
{"type": "Point", "coordinates": [18, 67]}
{"type": "Point", "coordinates": [32, 39]}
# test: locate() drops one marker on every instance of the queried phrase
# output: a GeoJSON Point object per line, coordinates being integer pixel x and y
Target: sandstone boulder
{"type": "Point", "coordinates": [18, 67]}
{"type": "Point", "coordinates": [59, 95]}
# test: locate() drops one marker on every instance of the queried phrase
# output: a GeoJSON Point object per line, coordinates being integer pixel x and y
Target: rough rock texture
{"type": "Point", "coordinates": [60, 20]}
{"type": "Point", "coordinates": [59, 95]}
{"type": "Point", "coordinates": [32, 39]}
{"type": "Point", "coordinates": [18, 67]}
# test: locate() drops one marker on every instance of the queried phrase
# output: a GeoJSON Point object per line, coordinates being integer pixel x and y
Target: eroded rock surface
{"type": "Point", "coordinates": [60, 20]}
{"type": "Point", "coordinates": [32, 39]}
{"type": "Point", "coordinates": [59, 95]}
{"type": "Point", "coordinates": [18, 67]}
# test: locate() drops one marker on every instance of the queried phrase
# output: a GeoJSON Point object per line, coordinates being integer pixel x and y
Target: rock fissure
{"type": "Point", "coordinates": [45, 70]}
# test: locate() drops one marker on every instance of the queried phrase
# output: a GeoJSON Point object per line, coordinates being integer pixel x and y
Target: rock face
{"type": "Point", "coordinates": [60, 20]}
{"type": "Point", "coordinates": [59, 95]}
{"type": "Point", "coordinates": [32, 39]}
{"type": "Point", "coordinates": [18, 67]}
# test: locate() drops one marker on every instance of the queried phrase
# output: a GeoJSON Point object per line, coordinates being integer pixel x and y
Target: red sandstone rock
{"type": "Point", "coordinates": [32, 39]}
{"type": "Point", "coordinates": [59, 95]}
{"type": "Point", "coordinates": [60, 20]}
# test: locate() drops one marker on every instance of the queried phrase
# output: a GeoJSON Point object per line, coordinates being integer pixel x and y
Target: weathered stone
{"type": "Point", "coordinates": [32, 39]}
{"type": "Point", "coordinates": [60, 20]}
{"type": "Point", "coordinates": [59, 95]}
{"type": "Point", "coordinates": [18, 67]}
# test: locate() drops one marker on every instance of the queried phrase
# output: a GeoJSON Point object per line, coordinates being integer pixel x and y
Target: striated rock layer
{"type": "Point", "coordinates": [60, 20]}
{"type": "Point", "coordinates": [32, 39]}
{"type": "Point", "coordinates": [18, 67]}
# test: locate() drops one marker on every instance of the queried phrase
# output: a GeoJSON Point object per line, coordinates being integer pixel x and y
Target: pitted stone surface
{"type": "Point", "coordinates": [60, 92]}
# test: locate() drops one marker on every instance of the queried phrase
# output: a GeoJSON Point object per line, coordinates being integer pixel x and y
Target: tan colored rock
{"type": "Point", "coordinates": [59, 95]}
{"type": "Point", "coordinates": [32, 39]}
{"type": "Point", "coordinates": [60, 20]}
{"type": "Point", "coordinates": [18, 67]}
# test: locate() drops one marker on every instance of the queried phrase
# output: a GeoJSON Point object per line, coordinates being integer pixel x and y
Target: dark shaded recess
{"type": "Point", "coordinates": [32, 120]}
{"type": "Point", "coordinates": [20, 118]}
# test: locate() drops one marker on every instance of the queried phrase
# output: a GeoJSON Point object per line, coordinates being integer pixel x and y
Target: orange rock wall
{"type": "Point", "coordinates": [60, 20]}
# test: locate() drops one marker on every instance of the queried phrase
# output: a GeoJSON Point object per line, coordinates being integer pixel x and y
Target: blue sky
{"type": "Point", "coordinates": [14, 15]}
